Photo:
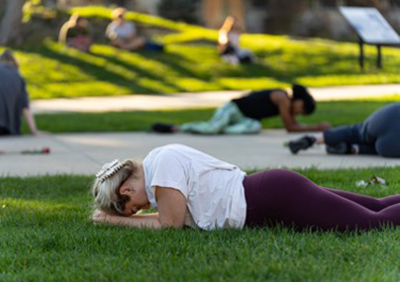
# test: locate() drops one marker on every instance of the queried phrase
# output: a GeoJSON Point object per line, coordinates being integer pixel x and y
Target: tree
{"type": "Point", "coordinates": [10, 20]}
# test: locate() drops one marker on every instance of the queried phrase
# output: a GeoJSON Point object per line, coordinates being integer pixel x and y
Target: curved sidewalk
{"type": "Point", "coordinates": [193, 100]}
{"type": "Point", "coordinates": [85, 153]}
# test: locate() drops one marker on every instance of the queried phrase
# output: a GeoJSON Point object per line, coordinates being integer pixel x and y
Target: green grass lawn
{"type": "Point", "coordinates": [45, 235]}
{"type": "Point", "coordinates": [191, 63]}
{"type": "Point", "coordinates": [337, 113]}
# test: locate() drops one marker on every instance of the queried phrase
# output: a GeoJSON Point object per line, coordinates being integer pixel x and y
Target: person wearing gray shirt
{"type": "Point", "coordinates": [14, 99]}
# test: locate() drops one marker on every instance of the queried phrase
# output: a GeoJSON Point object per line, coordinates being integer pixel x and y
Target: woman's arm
{"type": "Point", "coordinates": [30, 120]}
{"type": "Point", "coordinates": [171, 205]}
{"type": "Point", "coordinates": [146, 215]}
{"type": "Point", "coordinates": [62, 37]}
{"type": "Point", "coordinates": [289, 120]}
{"type": "Point", "coordinates": [139, 221]}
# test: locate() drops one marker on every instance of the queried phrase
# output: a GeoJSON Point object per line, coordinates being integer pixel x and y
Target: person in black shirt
{"type": "Point", "coordinates": [244, 115]}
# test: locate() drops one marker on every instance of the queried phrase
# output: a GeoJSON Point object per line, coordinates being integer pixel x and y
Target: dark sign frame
{"type": "Point", "coordinates": [371, 28]}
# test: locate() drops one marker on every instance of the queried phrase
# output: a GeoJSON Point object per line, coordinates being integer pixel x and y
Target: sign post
{"type": "Point", "coordinates": [371, 28]}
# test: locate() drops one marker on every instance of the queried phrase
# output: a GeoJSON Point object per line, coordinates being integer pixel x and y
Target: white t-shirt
{"type": "Point", "coordinates": [115, 31]}
{"type": "Point", "coordinates": [213, 189]}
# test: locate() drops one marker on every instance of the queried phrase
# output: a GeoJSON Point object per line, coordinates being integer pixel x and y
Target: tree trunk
{"type": "Point", "coordinates": [10, 26]}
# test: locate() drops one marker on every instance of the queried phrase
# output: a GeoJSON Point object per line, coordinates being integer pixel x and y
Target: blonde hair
{"type": "Point", "coordinates": [107, 197]}
{"type": "Point", "coordinates": [118, 12]}
{"type": "Point", "coordinates": [7, 57]}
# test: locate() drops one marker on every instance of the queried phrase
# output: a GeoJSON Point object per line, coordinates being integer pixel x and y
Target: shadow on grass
{"type": "Point", "coordinates": [174, 61]}
{"type": "Point", "coordinates": [98, 72]}
{"type": "Point", "coordinates": [311, 63]}
{"type": "Point", "coordinates": [141, 72]}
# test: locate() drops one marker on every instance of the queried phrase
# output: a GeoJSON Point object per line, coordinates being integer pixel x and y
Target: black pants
{"type": "Point", "coordinates": [4, 131]}
{"type": "Point", "coordinates": [379, 134]}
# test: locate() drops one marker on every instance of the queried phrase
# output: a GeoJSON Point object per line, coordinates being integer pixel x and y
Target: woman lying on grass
{"type": "Point", "coordinates": [191, 188]}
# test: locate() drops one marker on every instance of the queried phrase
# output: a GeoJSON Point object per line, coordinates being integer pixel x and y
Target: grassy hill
{"type": "Point", "coordinates": [191, 63]}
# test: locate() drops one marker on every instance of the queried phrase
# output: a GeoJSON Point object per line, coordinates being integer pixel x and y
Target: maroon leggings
{"type": "Point", "coordinates": [288, 198]}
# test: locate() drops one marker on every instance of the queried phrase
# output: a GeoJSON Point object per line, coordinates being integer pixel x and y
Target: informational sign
{"type": "Point", "coordinates": [370, 25]}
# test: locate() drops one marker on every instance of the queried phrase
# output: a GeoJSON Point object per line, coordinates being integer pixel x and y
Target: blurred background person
{"type": "Point", "coordinates": [243, 115]}
{"type": "Point", "coordinates": [123, 34]}
{"type": "Point", "coordinates": [379, 134]}
{"type": "Point", "coordinates": [75, 33]}
{"type": "Point", "coordinates": [229, 43]}
{"type": "Point", "coordinates": [14, 99]}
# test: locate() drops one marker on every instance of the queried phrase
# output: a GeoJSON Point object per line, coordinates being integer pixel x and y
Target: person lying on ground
{"type": "Point", "coordinates": [122, 34]}
{"type": "Point", "coordinates": [190, 188]}
{"type": "Point", "coordinates": [75, 33]}
{"type": "Point", "coordinates": [379, 134]}
{"type": "Point", "coordinates": [244, 115]}
{"type": "Point", "coordinates": [14, 100]}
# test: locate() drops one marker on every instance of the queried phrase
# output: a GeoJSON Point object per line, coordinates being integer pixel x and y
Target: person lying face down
{"type": "Point", "coordinates": [190, 188]}
{"type": "Point", "coordinates": [244, 115]}
{"type": "Point", "coordinates": [379, 134]}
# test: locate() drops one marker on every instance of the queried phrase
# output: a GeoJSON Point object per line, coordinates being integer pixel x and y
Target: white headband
{"type": "Point", "coordinates": [109, 170]}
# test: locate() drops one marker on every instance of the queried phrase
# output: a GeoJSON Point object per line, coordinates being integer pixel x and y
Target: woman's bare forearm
{"type": "Point", "coordinates": [138, 221]}
{"type": "Point", "coordinates": [146, 215]}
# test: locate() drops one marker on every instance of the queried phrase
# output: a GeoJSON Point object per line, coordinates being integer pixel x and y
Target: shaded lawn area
{"type": "Point", "coordinates": [55, 71]}
{"type": "Point", "coordinates": [335, 112]}
{"type": "Point", "coordinates": [45, 234]}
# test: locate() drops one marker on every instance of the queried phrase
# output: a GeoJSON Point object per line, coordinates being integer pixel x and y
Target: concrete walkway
{"type": "Point", "coordinates": [192, 100]}
{"type": "Point", "coordinates": [85, 153]}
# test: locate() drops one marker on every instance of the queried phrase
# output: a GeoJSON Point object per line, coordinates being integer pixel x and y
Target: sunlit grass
{"type": "Point", "coordinates": [46, 235]}
{"type": "Point", "coordinates": [190, 63]}
{"type": "Point", "coordinates": [336, 112]}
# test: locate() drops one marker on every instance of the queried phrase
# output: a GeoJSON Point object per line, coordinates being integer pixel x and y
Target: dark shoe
{"type": "Point", "coordinates": [302, 143]}
{"type": "Point", "coordinates": [339, 149]}
{"type": "Point", "coordinates": [162, 128]}
{"type": "Point", "coordinates": [153, 46]}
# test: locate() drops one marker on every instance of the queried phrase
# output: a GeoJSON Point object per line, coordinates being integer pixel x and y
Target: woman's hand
{"type": "Point", "coordinates": [324, 126]}
{"type": "Point", "coordinates": [98, 216]}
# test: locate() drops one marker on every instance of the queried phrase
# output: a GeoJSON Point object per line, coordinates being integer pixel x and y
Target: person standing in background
{"type": "Point", "coordinates": [14, 100]}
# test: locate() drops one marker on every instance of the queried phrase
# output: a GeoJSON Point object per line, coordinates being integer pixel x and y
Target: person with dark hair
{"type": "Point", "coordinates": [75, 33]}
{"type": "Point", "coordinates": [244, 115]}
{"type": "Point", "coordinates": [14, 100]}
{"type": "Point", "coordinates": [378, 135]}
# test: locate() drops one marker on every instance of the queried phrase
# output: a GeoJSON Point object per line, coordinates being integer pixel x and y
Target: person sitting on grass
{"type": "Point", "coordinates": [244, 115]}
{"type": "Point", "coordinates": [14, 100]}
{"type": "Point", "coordinates": [190, 188]}
{"type": "Point", "coordinates": [378, 135]}
{"type": "Point", "coordinates": [75, 33]}
{"type": "Point", "coordinates": [229, 43]}
{"type": "Point", "coordinates": [123, 35]}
